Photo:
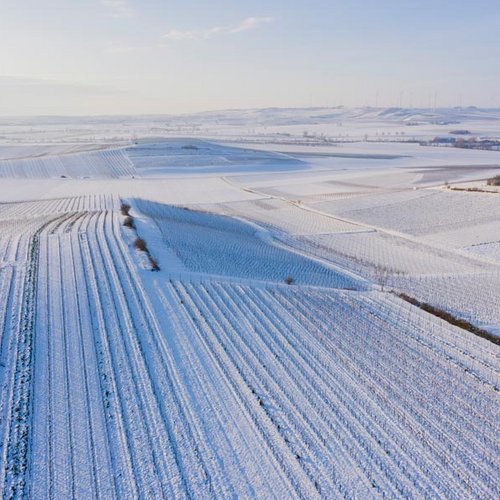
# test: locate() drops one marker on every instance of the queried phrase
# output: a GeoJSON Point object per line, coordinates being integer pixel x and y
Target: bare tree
{"type": "Point", "coordinates": [382, 274]}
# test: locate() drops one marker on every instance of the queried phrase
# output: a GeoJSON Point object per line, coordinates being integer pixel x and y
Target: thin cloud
{"type": "Point", "coordinates": [251, 23]}
{"type": "Point", "coordinates": [182, 35]}
{"type": "Point", "coordinates": [248, 24]}
{"type": "Point", "coordinates": [118, 8]}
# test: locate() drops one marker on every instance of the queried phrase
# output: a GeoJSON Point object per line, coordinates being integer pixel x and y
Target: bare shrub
{"type": "Point", "coordinates": [494, 181]}
{"type": "Point", "coordinates": [450, 318]}
{"type": "Point", "coordinates": [140, 244]}
{"type": "Point", "coordinates": [382, 275]}
{"type": "Point", "coordinates": [125, 208]}
{"type": "Point", "coordinates": [154, 264]}
{"type": "Point", "coordinates": [129, 222]}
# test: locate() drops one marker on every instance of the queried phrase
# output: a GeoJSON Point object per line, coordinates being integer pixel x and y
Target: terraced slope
{"type": "Point", "coordinates": [108, 164]}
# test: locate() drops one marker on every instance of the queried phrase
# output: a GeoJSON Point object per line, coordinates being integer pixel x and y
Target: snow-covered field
{"type": "Point", "coordinates": [271, 355]}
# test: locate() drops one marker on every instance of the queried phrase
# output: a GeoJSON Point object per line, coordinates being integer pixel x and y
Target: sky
{"type": "Point", "coordinates": [96, 57]}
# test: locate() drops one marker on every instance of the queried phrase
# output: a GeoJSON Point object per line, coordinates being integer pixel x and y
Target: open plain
{"type": "Point", "coordinates": [270, 303]}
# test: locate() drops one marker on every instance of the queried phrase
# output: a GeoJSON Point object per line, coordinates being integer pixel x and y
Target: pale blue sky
{"type": "Point", "coordinates": [169, 56]}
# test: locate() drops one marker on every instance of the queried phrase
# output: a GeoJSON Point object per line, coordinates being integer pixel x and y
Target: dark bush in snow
{"type": "Point", "coordinates": [140, 244]}
{"type": "Point", "coordinates": [129, 222]}
{"type": "Point", "coordinates": [125, 208]}
{"type": "Point", "coordinates": [154, 264]}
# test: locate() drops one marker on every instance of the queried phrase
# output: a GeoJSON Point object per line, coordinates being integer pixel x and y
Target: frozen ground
{"type": "Point", "coordinates": [213, 377]}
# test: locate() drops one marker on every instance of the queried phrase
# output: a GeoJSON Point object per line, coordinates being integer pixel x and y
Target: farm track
{"type": "Point", "coordinates": [17, 383]}
{"type": "Point", "coordinates": [119, 383]}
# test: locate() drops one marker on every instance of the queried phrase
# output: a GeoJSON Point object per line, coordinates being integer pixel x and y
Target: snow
{"type": "Point", "coordinates": [101, 164]}
{"type": "Point", "coordinates": [219, 245]}
{"type": "Point", "coordinates": [437, 212]}
{"type": "Point", "coordinates": [176, 156]}
{"type": "Point", "coordinates": [488, 250]}
{"type": "Point", "coordinates": [281, 215]}
{"type": "Point", "coordinates": [213, 377]}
